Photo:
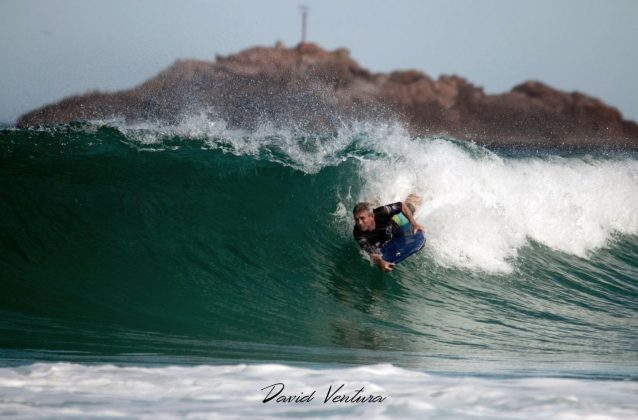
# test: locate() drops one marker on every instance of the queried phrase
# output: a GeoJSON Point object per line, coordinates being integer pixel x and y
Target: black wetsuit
{"type": "Point", "coordinates": [384, 230]}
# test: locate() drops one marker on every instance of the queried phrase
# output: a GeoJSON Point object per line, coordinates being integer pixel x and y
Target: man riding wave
{"type": "Point", "coordinates": [374, 227]}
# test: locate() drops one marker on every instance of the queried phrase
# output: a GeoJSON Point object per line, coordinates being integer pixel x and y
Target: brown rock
{"type": "Point", "coordinates": [318, 90]}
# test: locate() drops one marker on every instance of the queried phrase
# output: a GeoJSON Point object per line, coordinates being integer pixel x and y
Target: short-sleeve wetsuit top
{"type": "Point", "coordinates": [384, 230]}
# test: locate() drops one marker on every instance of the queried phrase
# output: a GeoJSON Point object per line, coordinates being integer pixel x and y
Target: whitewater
{"type": "Point", "coordinates": [175, 271]}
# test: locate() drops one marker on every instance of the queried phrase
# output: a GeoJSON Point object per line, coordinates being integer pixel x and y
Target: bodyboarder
{"type": "Point", "coordinates": [374, 227]}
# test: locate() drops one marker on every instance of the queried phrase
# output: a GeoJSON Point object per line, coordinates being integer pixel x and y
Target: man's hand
{"type": "Point", "coordinates": [417, 227]}
{"type": "Point", "coordinates": [385, 266]}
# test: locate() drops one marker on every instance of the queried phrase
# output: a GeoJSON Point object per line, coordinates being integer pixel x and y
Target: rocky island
{"type": "Point", "coordinates": [318, 90]}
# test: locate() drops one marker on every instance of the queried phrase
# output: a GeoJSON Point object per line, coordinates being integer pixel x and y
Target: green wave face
{"type": "Point", "coordinates": [207, 244]}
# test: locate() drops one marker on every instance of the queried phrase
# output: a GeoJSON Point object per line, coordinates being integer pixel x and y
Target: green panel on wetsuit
{"type": "Point", "coordinates": [401, 220]}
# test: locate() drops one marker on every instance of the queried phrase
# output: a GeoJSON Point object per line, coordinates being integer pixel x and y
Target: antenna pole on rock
{"type": "Point", "coordinates": [304, 23]}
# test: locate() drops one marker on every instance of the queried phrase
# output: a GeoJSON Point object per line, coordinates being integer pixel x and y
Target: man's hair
{"type": "Point", "coordinates": [361, 207]}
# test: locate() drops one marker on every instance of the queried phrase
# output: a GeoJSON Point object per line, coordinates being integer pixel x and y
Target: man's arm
{"type": "Point", "coordinates": [383, 265]}
{"type": "Point", "coordinates": [375, 254]}
{"type": "Point", "coordinates": [405, 209]}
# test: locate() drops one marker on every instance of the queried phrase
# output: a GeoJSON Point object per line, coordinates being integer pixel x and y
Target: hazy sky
{"type": "Point", "coordinates": [54, 48]}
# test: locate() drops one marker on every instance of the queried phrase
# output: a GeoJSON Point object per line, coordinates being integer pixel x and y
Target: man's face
{"type": "Point", "coordinates": [364, 220]}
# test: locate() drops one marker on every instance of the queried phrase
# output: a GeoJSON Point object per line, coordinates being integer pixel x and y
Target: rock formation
{"type": "Point", "coordinates": [318, 90]}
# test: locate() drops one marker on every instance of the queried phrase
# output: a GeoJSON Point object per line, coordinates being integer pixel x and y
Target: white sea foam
{"type": "Point", "coordinates": [479, 209]}
{"type": "Point", "coordinates": [65, 390]}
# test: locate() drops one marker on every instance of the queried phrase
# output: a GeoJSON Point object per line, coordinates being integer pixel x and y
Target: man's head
{"type": "Point", "coordinates": [364, 216]}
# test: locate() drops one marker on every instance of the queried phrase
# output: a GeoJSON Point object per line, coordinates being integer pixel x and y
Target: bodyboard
{"type": "Point", "coordinates": [403, 245]}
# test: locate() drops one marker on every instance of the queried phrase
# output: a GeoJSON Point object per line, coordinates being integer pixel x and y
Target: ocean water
{"type": "Point", "coordinates": [173, 271]}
